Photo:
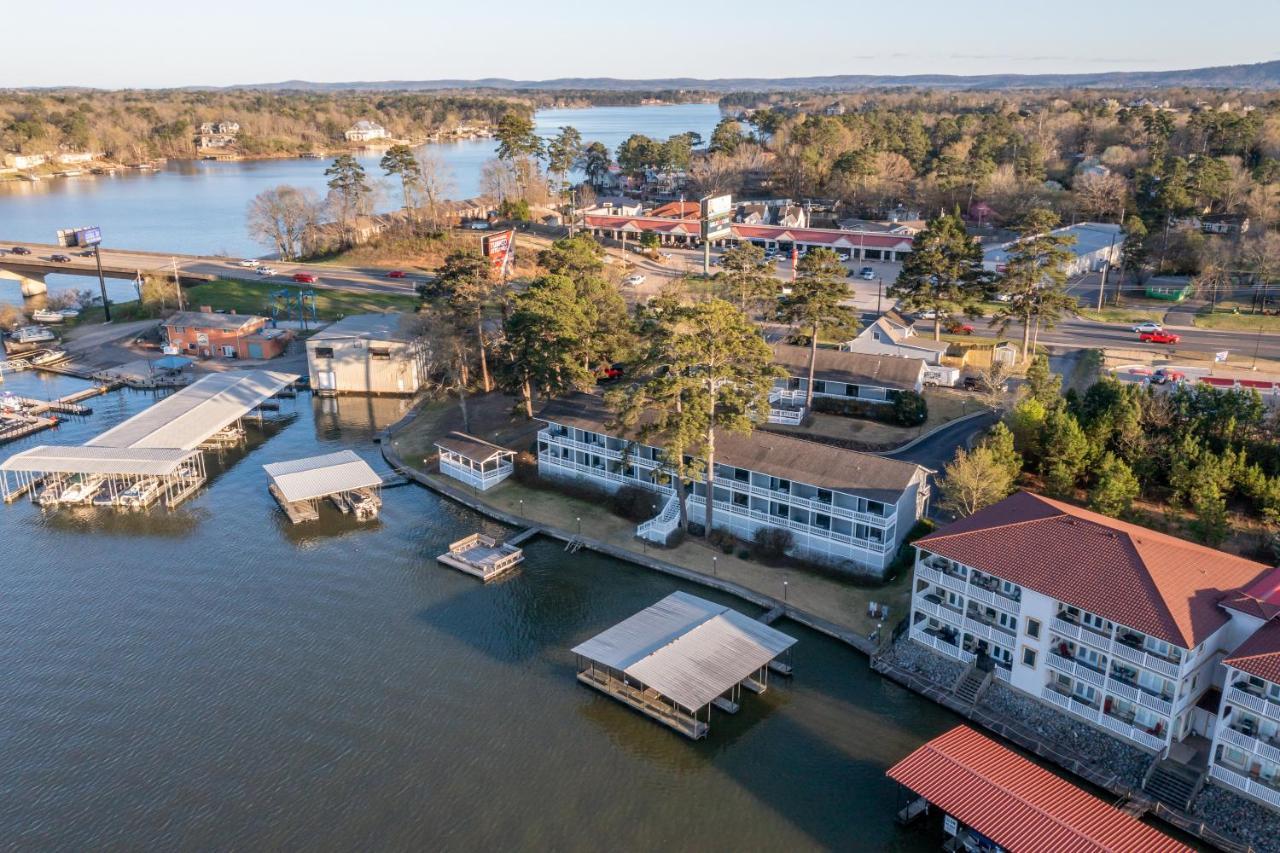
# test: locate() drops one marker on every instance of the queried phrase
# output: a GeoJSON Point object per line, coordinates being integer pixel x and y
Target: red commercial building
{"type": "Point", "coordinates": [204, 334]}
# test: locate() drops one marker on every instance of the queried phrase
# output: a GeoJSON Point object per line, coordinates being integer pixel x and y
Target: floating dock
{"type": "Point", "coordinates": [482, 556]}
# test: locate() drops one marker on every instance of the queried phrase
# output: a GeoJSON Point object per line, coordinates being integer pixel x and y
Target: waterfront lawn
{"type": "Point", "coordinates": [254, 297]}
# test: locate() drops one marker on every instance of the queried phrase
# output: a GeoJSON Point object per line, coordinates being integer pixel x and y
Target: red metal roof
{"type": "Point", "coordinates": [1163, 586]}
{"type": "Point", "coordinates": [1017, 804]}
{"type": "Point", "coordinates": [812, 236]}
{"type": "Point", "coordinates": [1260, 654]}
{"type": "Point", "coordinates": [678, 210]}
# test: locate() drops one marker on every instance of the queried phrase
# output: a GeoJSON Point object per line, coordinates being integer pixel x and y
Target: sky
{"type": "Point", "coordinates": [154, 44]}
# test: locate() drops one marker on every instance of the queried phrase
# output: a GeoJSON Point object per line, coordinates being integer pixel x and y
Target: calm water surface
{"type": "Point", "coordinates": [215, 678]}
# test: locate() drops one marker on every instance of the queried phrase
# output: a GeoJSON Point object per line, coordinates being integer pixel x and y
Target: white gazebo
{"type": "Point", "coordinates": [474, 461]}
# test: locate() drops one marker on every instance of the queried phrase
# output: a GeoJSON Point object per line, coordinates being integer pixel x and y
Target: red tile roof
{"type": "Point", "coordinates": [678, 210]}
{"type": "Point", "coordinates": [812, 236]}
{"type": "Point", "coordinates": [1018, 804]}
{"type": "Point", "coordinates": [1260, 654]}
{"type": "Point", "coordinates": [1161, 585]}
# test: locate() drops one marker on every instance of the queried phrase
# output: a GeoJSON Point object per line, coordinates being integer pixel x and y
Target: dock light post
{"type": "Point", "coordinates": [579, 525]}
{"type": "Point", "coordinates": [784, 592]}
{"type": "Point", "coordinates": [522, 507]}
{"type": "Point", "coordinates": [713, 566]}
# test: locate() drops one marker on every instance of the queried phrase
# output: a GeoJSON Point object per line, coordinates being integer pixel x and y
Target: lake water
{"type": "Point", "coordinates": [198, 206]}
{"type": "Point", "coordinates": [214, 678]}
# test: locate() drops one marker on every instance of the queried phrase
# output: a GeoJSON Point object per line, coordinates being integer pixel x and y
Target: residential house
{"type": "Point", "coordinates": [24, 161]}
{"type": "Point", "coordinates": [1225, 224]}
{"type": "Point", "coordinates": [842, 375]}
{"type": "Point", "coordinates": [891, 334]}
{"type": "Point", "coordinates": [1131, 630]}
{"type": "Point", "coordinates": [1096, 245]}
{"type": "Point", "coordinates": [790, 216]}
{"type": "Point", "coordinates": [375, 354]}
{"type": "Point", "coordinates": [209, 335]}
{"type": "Point", "coordinates": [74, 158]}
{"type": "Point", "coordinates": [217, 134]}
{"type": "Point", "coordinates": [617, 205]}
{"type": "Point", "coordinates": [365, 131]}
{"type": "Point", "coordinates": [848, 509]}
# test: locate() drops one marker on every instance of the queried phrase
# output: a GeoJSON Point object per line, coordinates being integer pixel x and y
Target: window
{"type": "Point", "coordinates": [324, 352]}
{"type": "Point", "coordinates": [1095, 622]}
{"type": "Point", "coordinates": [1033, 628]}
{"type": "Point", "coordinates": [1028, 657]}
{"type": "Point", "coordinates": [819, 387]}
{"type": "Point", "coordinates": [742, 475]}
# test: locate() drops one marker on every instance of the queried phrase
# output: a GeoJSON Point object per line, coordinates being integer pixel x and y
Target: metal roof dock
{"type": "Point", "coordinates": [343, 477]}
{"type": "Point", "coordinates": [678, 657]}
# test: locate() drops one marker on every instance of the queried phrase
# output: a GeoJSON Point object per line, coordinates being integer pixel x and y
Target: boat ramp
{"type": "Point", "coordinates": [345, 479]}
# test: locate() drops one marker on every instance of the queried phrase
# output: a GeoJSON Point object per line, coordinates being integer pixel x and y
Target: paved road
{"type": "Point", "coordinates": [119, 263]}
{"type": "Point", "coordinates": [936, 450]}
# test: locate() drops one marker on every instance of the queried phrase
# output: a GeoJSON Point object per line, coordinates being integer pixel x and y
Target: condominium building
{"type": "Point", "coordinates": [874, 379]}
{"type": "Point", "coordinates": [1128, 629]}
{"type": "Point", "coordinates": [844, 508]}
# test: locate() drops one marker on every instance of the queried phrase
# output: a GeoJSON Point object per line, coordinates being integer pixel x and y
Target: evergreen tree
{"type": "Point", "coordinates": [748, 276]}
{"type": "Point", "coordinates": [563, 152]}
{"type": "Point", "coordinates": [595, 163]}
{"type": "Point", "coordinates": [399, 161]}
{"type": "Point", "coordinates": [816, 299]}
{"type": "Point", "coordinates": [1114, 488]}
{"type": "Point", "coordinates": [542, 342]}
{"type": "Point", "coordinates": [466, 285]}
{"type": "Point", "coordinates": [999, 440]}
{"type": "Point", "coordinates": [349, 191]}
{"type": "Point", "coordinates": [1034, 279]}
{"type": "Point", "coordinates": [943, 273]}
{"type": "Point", "coordinates": [1065, 452]}
{"type": "Point", "coordinates": [1042, 384]}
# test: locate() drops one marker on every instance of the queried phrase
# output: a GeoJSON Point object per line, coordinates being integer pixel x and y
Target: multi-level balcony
{"type": "Point", "coordinates": [936, 571]}
{"type": "Point", "coordinates": [1124, 682]}
{"type": "Point", "coordinates": [1065, 658]}
{"type": "Point", "coordinates": [1067, 625]}
{"type": "Point", "coordinates": [1243, 733]}
{"type": "Point", "coordinates": [879, 547]}
{"type": "Point", "coordinates": [1253, 785]}
{"type": "Point", "coordinates": [944, 640]}
{"type": "Point", "coordinates": [1246, 695]}
{"type": "Point", "coordinates": [983, 625]}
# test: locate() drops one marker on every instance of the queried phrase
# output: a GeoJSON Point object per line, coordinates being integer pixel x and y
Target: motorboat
{"type": "Point", "coordinates": [32, 335]}
{"type": "Point", "coordinates": [141, 494]}
{"type": "Point", "coordinates": [45, 315]}
{"type": "Point", "coordinates": [51, 493]}
{"type": "Point", "coordinates": [49, 356]}
{"type": "Point", "coordinates": [363, 503]}
{"type": "Point", "coordinates": [69, 313]}
{"type": "Point", "coordinates": [82, 490]}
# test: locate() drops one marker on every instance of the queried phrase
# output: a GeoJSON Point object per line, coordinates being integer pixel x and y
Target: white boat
{"type": "Point", "coordinates": [49, 356]}
{"type": "Point", "coordinates": [83, 490]}
{"type": "Point", "coordinates": [32, 335]}
{"type": "Point", "coordinates": [45, 315]}
{"type": "Point", "coordinates": [363, 503]}
{"type": "Point", "coordinates": [141, 494]}
{"type": "Point", "coordinates": [69, 313]}
{"type": "Point", "coordinates": [51, 493]}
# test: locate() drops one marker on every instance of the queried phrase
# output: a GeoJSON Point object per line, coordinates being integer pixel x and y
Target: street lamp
{"type": "Point", "coordinates": [784, 592]}
{"type": "Point", "coordinates": [713, 566]}
{"type": "Point", "coordinates": [579, 525]}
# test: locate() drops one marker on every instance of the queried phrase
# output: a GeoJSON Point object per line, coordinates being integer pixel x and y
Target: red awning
{"type": "Point", "coordinates": [1017, 804]}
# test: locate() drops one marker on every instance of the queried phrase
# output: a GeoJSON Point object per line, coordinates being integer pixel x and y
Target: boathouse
{"type": "Point", "coordinates": [677, 658]}
{"type": "Point", "coordinates": [474, 461]}
{"type": "Point", "coordinates": [347, 480]}
{"type": "Point", "coordinates": [991, 798]}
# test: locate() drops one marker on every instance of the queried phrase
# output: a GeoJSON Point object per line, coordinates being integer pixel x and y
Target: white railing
{"type": "Point", "coordinates": [1142, 658]}
{"type": "Point", "coordinates": [1078, 632]}
{"type": "Point", "coordinates": [926, 639]}
{"type": "Point", "coordinates": [939, 612]}
{"type": "Point", "coordinates": [784, 395]}
{"type": "Point", "coordinates": [1074, 669]}
{"type": "Point", "coordinates": [942, 579]}
{"type": "Point", "coordinates": [1243, 783]}
{"type": "Point", "coordinates": [1134, 734]}
{"type": "Point", "coordinates": [1069, 703]}
{"type": "Point", "coordinates": [658, 528]}
{"type": "Point", "coordinates": [1252, 744]}
{"type": "Point", "coordinates": [599, 473]}
{"type": "Point", "coordinates": [810, 504]}
{"type": "Point", "coordinates": [1002, 674]}
{"type": "Point", "coordinates": [480, 479]}
{"type": "Point", "coordinates": [1266, 707]}
{"type": "Point", "coordinates": [588, 446]}
{"type": "Point", "coordinates": [988, 632]}
{"type": "Point", "coordinates": [788, 417]}
{"type": "Point", "coordinates": [994, 599]}
{"type": "Point", "coordinates": [791, 524]}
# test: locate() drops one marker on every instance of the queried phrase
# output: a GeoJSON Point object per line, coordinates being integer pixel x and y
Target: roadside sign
{"type": "Point", "coordinates": [90, 235]}
{"type": "Point", "coordinates": [717, 215]}
{"type": "Point", "coordinates": [498, 248]}
{"type": "Point", "coordinates": [1221, 356]}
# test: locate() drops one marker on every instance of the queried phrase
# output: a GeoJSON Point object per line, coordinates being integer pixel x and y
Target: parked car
{"type": "Point", "coordinates": [610, 373]}
{"type": "Point", "coordinates": [634, 280]}
{"type": "Point", "coordinates": [86, 253]}
{"type": "Point", "coordinates": [867, 274]}
{"type": "Point", "coordinates": [305, 277]}
{"type": "Point", "coordinates": [958, 328]}
{"type": "Point", "coordinates": [396, 274]}
{"type": "Point", "coordinates": [60, 259]}
{"type": "Point", "coordinates": [478, 225]}
{"type": "Point", "coordinates": [265, 271]}
{"type": "Point", "coordinates": [249, 262]}
{"type": "Point", "coordinates": [1165, 374]}
{"type": "Point", "coordinates": [977, 383]}
{"type": "Point", "coordinates": [20, 250]}
{"type": "Point", "coordinates": [1160, 337]}
{"type": "Point", "coordinates": [1148, 327]}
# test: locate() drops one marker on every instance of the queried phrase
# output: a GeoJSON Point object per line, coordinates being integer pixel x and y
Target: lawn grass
{"type": "Point", "coordinates": [1123, 315]}
{"type": "Point", "coordinates": [1228, 322]}
{"type": "Point", "coordinates": [254, 297]}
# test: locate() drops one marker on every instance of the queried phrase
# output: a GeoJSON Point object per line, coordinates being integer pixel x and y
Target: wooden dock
{"type": "Point", "coordinates": [298, 511]}
{"type": "Point", "coordinates": [15, 426]}
{"type": "Point", "coordinates": [648, 702]}
{"type": "Point", "coordinates": [523, 536]}
{"type": "Point", "coordinates": [776, 613]}
{"type": "Point", "coordinates": [482, 556]}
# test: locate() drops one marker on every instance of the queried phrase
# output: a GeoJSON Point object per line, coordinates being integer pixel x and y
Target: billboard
{"type": "Point", "coordinates": [83, 236]}
{"type": "Point", "coordinates": [717, 215]}
{"type": "Point", "coordinates": [499, 248]}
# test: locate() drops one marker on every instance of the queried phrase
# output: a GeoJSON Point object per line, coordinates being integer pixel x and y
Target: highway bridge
{"type": "Point", "coordinates": [28, 271]}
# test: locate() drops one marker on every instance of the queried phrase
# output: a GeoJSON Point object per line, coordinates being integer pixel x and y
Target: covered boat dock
{"type": "Point", "coordinates": [154, 455]}
{"type": "Point", "coordinates": [677, 658]}
{"type": "Point", "coordinates": [343, 477]}
{"type": "Point", "coordinates": [991, 798]}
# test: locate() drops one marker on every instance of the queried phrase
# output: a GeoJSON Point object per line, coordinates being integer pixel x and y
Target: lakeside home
{"type": "Point", "coordinates": [210, 335]}
{"type": "Point", "coordinates": [1165, 644]}
{"type": "Point", "coordinates": [844, 508]}
{"type": "Point", "coordinates": [842, 375]}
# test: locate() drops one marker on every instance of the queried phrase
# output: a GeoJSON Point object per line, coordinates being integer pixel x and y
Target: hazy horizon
{"type": "Point", "coordinates": [246, 43]}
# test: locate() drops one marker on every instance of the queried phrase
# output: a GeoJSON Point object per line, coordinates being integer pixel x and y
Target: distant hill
{"type": "Point", "coordinates": [1260, 75]}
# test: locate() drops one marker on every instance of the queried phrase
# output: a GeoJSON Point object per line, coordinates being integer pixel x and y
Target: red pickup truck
{"type": "Point", "coordinates": [1161, 337]}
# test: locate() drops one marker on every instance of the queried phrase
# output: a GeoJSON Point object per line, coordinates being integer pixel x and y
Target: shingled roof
{"type": "Point", "coordinates": [853, 368]}
{"type": "Point", "coordinates": [1161, 585]}
{"type": "Point", "coordinates": [819, 465]}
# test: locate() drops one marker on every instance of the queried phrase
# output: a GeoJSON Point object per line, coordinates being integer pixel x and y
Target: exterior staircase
{"type": "Point", "coordinates": [659, 528]}
{"type": "Point", "coordinates": [1172, 783]}
{"type": "Point", "coordinates": [969, 685]}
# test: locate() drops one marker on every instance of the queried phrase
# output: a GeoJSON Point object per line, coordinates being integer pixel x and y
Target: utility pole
{"type": "Point", "coordinates": [1106, 268]}
{"type": "Point", "coordinates": [177, 283]}
{"type": "Point", "coordinates": [102, 283]}
{"type": "Point", "coordinates": [879, 290]}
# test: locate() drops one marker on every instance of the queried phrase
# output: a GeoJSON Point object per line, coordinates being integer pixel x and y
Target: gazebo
{"type": "Point", "coordinates": [474, 461]}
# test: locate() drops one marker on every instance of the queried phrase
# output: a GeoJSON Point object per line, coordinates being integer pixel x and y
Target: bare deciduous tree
{"type": "Point", "coordinates": [283, 216]}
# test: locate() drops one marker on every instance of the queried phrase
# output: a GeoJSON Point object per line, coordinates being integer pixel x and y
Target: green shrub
{"type": "Point", "coordinates": [910, 409]}
{"type": "Point", "coordinates": [634, 503]}
{"type": "Point", "coordinates": [771, 543]}
{"type": "Point", "coordinates": [722, 539]}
